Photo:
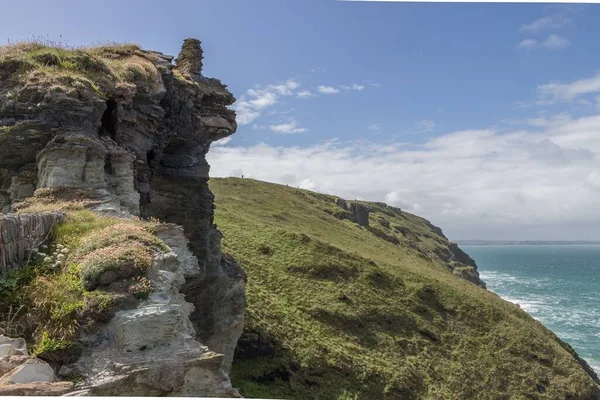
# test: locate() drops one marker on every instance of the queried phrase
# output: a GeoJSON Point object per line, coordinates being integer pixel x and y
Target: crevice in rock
{"type": "Point", "coordinates": [150, 156]}
{"type": "Point", "coordinates": [107, 165]}
{"type": "Point", "coordinates": [109, 120]}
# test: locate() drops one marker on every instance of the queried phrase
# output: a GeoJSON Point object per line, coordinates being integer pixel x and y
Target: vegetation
{"type": "Point", "coordinates": [101, 68]}
{"type": "Point", "coordinates": [336, 311]}
{"type": "Point", "coordinates": [62, 289]}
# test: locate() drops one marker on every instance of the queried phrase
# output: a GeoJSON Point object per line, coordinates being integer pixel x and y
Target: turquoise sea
{"type": "Point", "coordinates": [557, 285]}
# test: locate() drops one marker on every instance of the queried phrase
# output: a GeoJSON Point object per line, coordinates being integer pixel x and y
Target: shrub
{"type": "Point", "coordinates": [125, 260]}
{"type": "Point", "coordinates": [56, 301]}
{"type": "Point", "coordinates": [142, 288]}
{"type": "Point", "coordinates": [48, 344]}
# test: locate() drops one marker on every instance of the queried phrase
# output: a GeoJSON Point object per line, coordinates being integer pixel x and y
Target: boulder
{"type": "Point", "coordinates": [33, 370]}
{"type": "Point", "coordinates": [12, 347]}
{"type": "Point", "coordinates": [9, 363]}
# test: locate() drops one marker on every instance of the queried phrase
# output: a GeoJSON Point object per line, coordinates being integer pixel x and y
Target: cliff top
{"type": "Point", "coordinates": [103, 69]}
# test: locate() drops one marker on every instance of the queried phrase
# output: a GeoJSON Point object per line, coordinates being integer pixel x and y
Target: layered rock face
{"type": "Point", "coordinates": [21, 233]}
{"type": "Point", "coordinates": [151, 350]}
{"type": "Point", "coordinates": [134, 128]}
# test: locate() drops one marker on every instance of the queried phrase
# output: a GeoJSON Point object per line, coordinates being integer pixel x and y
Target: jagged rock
{"type": "Point", "coordinates": [32, 370]}
{"type": "Point", "coordinates": [141, 147]}
{"type": "Point", "coordinates": [20, 234]}
{"type": "Point", "coordinates": [190, 58]}
{"type": "Point", "coordinates": [36, 389]}
{"type": "Point", "coordinates": [469, 270]}
{"type": "Point", "coordinates": [152, 349]}
{"type": "Point", "coordinates": [341, 203]}
{"type": "Point", "coordinates": [360, 214]}
{"type": "Point", "coordinates": [460, 255]}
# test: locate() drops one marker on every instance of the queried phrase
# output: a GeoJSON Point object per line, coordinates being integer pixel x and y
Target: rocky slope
{"type": "Point", "coordinates": [124, 132]}
{"type": "Point", "coordinates": [360, 300]}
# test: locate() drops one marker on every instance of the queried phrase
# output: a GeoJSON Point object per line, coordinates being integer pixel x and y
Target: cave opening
{"type": "Point", "coordinates": [109, 120]}
{"type": "Point", "coordinates": [150, 156]}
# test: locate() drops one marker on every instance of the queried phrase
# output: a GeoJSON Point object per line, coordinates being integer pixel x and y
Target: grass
{"type": "Point", "coordinates": [340, 312]}
{"type": "Point", "coordinates": [100, 69]}
{"type": "Point", "coordinates": [62, 290]}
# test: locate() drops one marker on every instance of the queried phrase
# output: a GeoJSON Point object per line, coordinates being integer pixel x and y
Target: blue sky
{"type": "Point", "coordinates": [480, 117]}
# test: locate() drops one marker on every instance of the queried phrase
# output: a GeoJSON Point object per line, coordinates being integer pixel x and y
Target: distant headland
{"type": "Point", "coordinates": [524, 242]}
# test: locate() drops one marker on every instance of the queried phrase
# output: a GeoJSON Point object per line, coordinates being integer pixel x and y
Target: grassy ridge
{"type": "Point", "coordinates": [338, 311]}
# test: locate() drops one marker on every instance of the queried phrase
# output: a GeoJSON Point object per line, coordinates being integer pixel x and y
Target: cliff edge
{"type": "Point", "coordinates": [121, 132]}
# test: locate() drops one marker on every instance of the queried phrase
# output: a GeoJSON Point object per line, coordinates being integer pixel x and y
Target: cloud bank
{"type": "Point", "coordinates": [539, 183]}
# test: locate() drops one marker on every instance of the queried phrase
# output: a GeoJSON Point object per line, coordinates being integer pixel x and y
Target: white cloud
{"type": "Point", "coordinates": [553, 92]}
{"type": "Point", "coordinates": [375, 127]}
{"type": "Point", "coordinates": [527, 44]}
{"type": "Point", "coordinates": [304, 94]}
{"type": "Point", "coordinates": [328, 89]}
{"type": "Point", "coordinates": [221, 142]}
{"type": "Point", "coordinates": [425, 126]}
{"type": "Point", "coordinates": [377, 85]}
{"type": "Point", "coordinates": [354, 86]}
{"type": "Point", "coordinates": [546, 23]}
{"type": "Point", "coordinates": [290, 127]}
{"type": "Point", "coordinates": [262, 99]}
{"type": "Point", "coordinates": [556, 42]}
{"type": "Point", "coordinates": [537, 184]}
{"type": "Point", "coordinates": [251, 105]}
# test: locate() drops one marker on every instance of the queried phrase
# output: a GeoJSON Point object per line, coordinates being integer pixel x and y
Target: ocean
{"type": "Point", "coordinates": [556, 284]}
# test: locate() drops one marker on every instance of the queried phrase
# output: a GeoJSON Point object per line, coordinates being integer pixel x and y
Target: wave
{"type": "Point", "coordinates": [574, 317]}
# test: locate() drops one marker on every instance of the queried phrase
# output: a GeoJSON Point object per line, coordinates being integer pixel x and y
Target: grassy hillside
{"type": "Point", "coordinates": [338, 311]}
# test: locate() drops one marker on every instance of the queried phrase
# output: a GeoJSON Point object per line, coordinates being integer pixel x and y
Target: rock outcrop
{"type": "Point", "coordinates": [134, 128]}
{"type": "Point", "coordinates": [21, 234]}
{"type": "Point", "coordinates": [341, 203]}
{"type": "Point", "coordinates": [151, 350]}
{"type": "Point", "coordinates": [360, 214]}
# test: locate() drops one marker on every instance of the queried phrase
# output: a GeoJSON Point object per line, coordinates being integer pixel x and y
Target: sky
{"type": "Point", "coordinates": [482, 118]}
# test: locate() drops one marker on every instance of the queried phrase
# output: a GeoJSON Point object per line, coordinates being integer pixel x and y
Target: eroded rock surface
{"type": "Point", "coordinates": [32, 370]}
{"type": "Point", "coordinates": [136, 133]}
{"type": "Point", "coordinates": [360, 214]}
{"type": "Point", "coordinates": [151, 350]}
{"type": "Point", "coordinates": [36, 389]}
{"type": "Point", "coordinates": [19, 235]}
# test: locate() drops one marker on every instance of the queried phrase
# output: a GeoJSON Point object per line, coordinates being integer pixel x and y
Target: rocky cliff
{"type": "Point", "coordinates": [131, 129]}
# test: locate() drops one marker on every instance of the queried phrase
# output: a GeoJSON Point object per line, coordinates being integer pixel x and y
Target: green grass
{"type": "Point", "coordinates": [99, 69]}
{"type": "Point", "coordinates": [341, 312]}
{"type": "Point", "coordinates": [59, 293]}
